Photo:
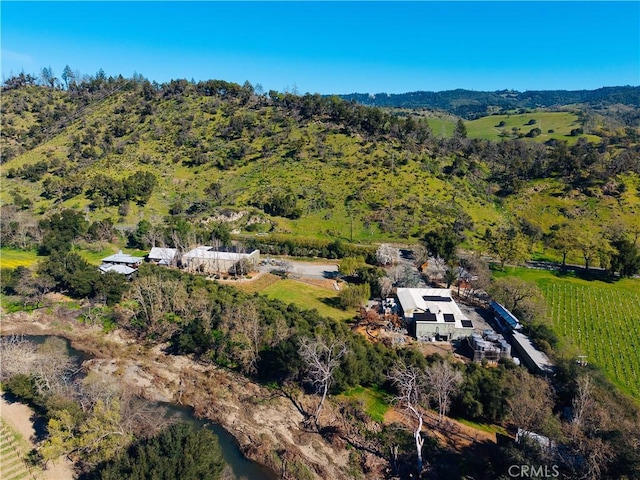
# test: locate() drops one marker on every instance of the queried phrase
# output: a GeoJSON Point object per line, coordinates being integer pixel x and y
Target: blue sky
{"type": "Point", "coordinates": [334, 47]}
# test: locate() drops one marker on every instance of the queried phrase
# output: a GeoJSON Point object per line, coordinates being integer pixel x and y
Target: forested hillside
{"type": "Point", "coordinates": [182, 155]}
{"type": "Point", "coordinates": [473, 104]}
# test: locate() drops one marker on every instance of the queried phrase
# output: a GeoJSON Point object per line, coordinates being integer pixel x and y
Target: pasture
{"type": "Point", "coordinates": [307, 296]}
{"type": "Point", "coordinates": [491, 127]}
{"type": "Point", "coordinates": [557, 125]}
{"type": "Point", "coordinates": [600, 319]}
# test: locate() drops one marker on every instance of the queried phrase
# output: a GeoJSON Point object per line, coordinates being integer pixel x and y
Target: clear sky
{"type": "Point", "coordinates": [334, 47]}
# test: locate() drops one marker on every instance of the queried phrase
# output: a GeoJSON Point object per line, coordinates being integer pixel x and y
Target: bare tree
{"type": "Point", "coordinates": [49, 364]}
{"type": "Point", "coordinates": [530, 405]}
{"type": "Point", "coordinates": [410, 382]}
{"type": "Point", "coordinates": [523, 298]}
{"type": "Point", "coordinates": [387, 255]}
{"type": "Point", "coordinates": [584, 432]}
{"type": "Point", "coordinates": [386, 286]}
{"type": "Point", "coordinates": [34, 288]}
{"type": "Point", "coordinates": [53, 367]}
{"type": "Point", "coordinates": [155, 299]}
{"type": "Point", "coordinates": [479, 275]}
{"type": "Point", "coordinates": [17, 356]}
{"type": "Point", "coordinates": [96, 386]}
{"type": "Point", "coordinates": [443, 381]}
{"type": "Point", "coordinates": [321, 357]}
{"type": "Point", "coordinates": [287, 268]}
{"type": "Point", "coordinates": [405, 276]}
{"type": "Point", "coordinates": [244, 326]}
{"type": "Point", "coordinates": [153, 236]}
{"type": "Point", "coordinates": [583, 403]}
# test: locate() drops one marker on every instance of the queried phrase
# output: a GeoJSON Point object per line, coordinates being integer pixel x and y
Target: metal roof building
{"type": "Point", "coordinates": [506, 319]}
{"type": "Point", "coordinates": [162, 256]}
{"type": "Point", "coordinates": [431, 312]}
{"type": "Point", "coordinates": [206, 259]}
{"type": "Point", "coordinates": [123, 258]}
{"type": "Point", "coordinates": [123, 269]}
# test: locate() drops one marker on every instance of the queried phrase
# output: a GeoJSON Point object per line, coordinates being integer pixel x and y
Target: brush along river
{"type": "Point", "coordinates": [267, 422]}
{"type": "Point", "coordinates": [240, 465]}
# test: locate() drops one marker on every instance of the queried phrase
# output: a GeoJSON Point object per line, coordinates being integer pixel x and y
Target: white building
{"type": "Point", "coordinates": [431, 312]}
{"type": "Point", "coordinates": [208, 260]}
{"type": "Point", "coordinates": [122, 263]}
{"type": "Point", "coordinates": [162, 256]}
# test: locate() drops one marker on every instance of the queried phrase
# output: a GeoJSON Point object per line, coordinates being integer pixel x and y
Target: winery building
{"type": "Point", "coordinates": [432, 314]}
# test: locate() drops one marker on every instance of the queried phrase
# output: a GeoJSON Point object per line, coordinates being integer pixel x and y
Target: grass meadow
{"type": "Point", "coordinates": [307, 296]}
{"type": "Point", "coordinates": [601, 320]}
{"type": "Point", "coordinates": [487, 127]}
{"type": "Point", "coordinates": [374, 402]}
{"type": "Point", "coordinates": [10, 258]}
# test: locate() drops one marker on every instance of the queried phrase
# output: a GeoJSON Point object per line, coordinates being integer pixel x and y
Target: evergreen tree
{"type": "Point", "coordinates": [180, 451]}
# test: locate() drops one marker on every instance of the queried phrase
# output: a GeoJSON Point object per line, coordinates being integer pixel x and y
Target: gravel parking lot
{"type": "Point", "coordinates": [304, 269]}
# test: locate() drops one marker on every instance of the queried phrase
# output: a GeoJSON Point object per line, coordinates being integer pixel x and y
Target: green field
{"type": "Point", "coordinates": [601, 319]}
{"type": "Point", "coordinates": [487, 127]}
{"type": "Point", "coordinates": [373, 401]}
{"type": "Point", "coordinates": [10, 258]}
{"type": "Point", "coordinates": [441, 127]}
{"type": "Point", "coordinates": [560, 122]}
{"type": "Point", "coordinates": [308, 297]}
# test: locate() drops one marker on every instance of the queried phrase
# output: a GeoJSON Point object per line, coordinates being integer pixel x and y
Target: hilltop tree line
{"type": "Point", "coordinates": [252, 126]}
{"type": "Point", "coordinates": [473, 104]}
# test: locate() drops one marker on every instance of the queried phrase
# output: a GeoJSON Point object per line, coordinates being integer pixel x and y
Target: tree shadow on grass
{"type": "Point", "coordinates": [332, 302]}
{"type": "Point", "coordinates": [584, 274]}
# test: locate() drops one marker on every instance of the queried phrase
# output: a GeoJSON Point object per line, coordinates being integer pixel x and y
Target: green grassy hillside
{"type": "Point", "coordinates": [553, 125]}
{"type": "Point", "coordinates": [556, 125]}
{"type": "Point", "coordinates": [305, 166]}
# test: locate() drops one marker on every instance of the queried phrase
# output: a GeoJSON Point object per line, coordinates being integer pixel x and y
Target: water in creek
{"type": "Point", "coordinates": [241, 466]}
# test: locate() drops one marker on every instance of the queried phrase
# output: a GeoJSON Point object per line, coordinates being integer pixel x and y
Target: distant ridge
{"type": "Point", "coordinates": [470, 103]}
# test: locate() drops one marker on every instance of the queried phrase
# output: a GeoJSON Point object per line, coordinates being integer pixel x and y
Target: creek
{"type": "Point", "coordinates": [241, 466]}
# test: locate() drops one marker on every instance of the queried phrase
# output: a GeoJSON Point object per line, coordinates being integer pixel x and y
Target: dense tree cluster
{"type": "Point", "coordinates": [179, 451]}
{"type": "Point", "coordinates": [107, 191]}
{"type": "Point", "coordinates": [472, 104]}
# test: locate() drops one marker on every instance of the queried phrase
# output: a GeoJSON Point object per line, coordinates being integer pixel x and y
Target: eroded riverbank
{"type": "Point", "coordinates": [266, 424]}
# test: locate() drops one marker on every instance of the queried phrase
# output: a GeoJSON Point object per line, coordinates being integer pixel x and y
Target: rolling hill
{"type": "Point", "coordinates": [473, 104]}
{"type": "Point", "coordinates": [301, 166]}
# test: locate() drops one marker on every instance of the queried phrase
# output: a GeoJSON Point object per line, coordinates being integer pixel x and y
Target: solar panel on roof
{"type": "Point", "coordinates": [435, 298]}
{"type": "Point", "coordinates": [448, 317]}
{"type": "Point", "coordinates": [467, 323]}
{"type": "Point", "coordinates": [424, 317]}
